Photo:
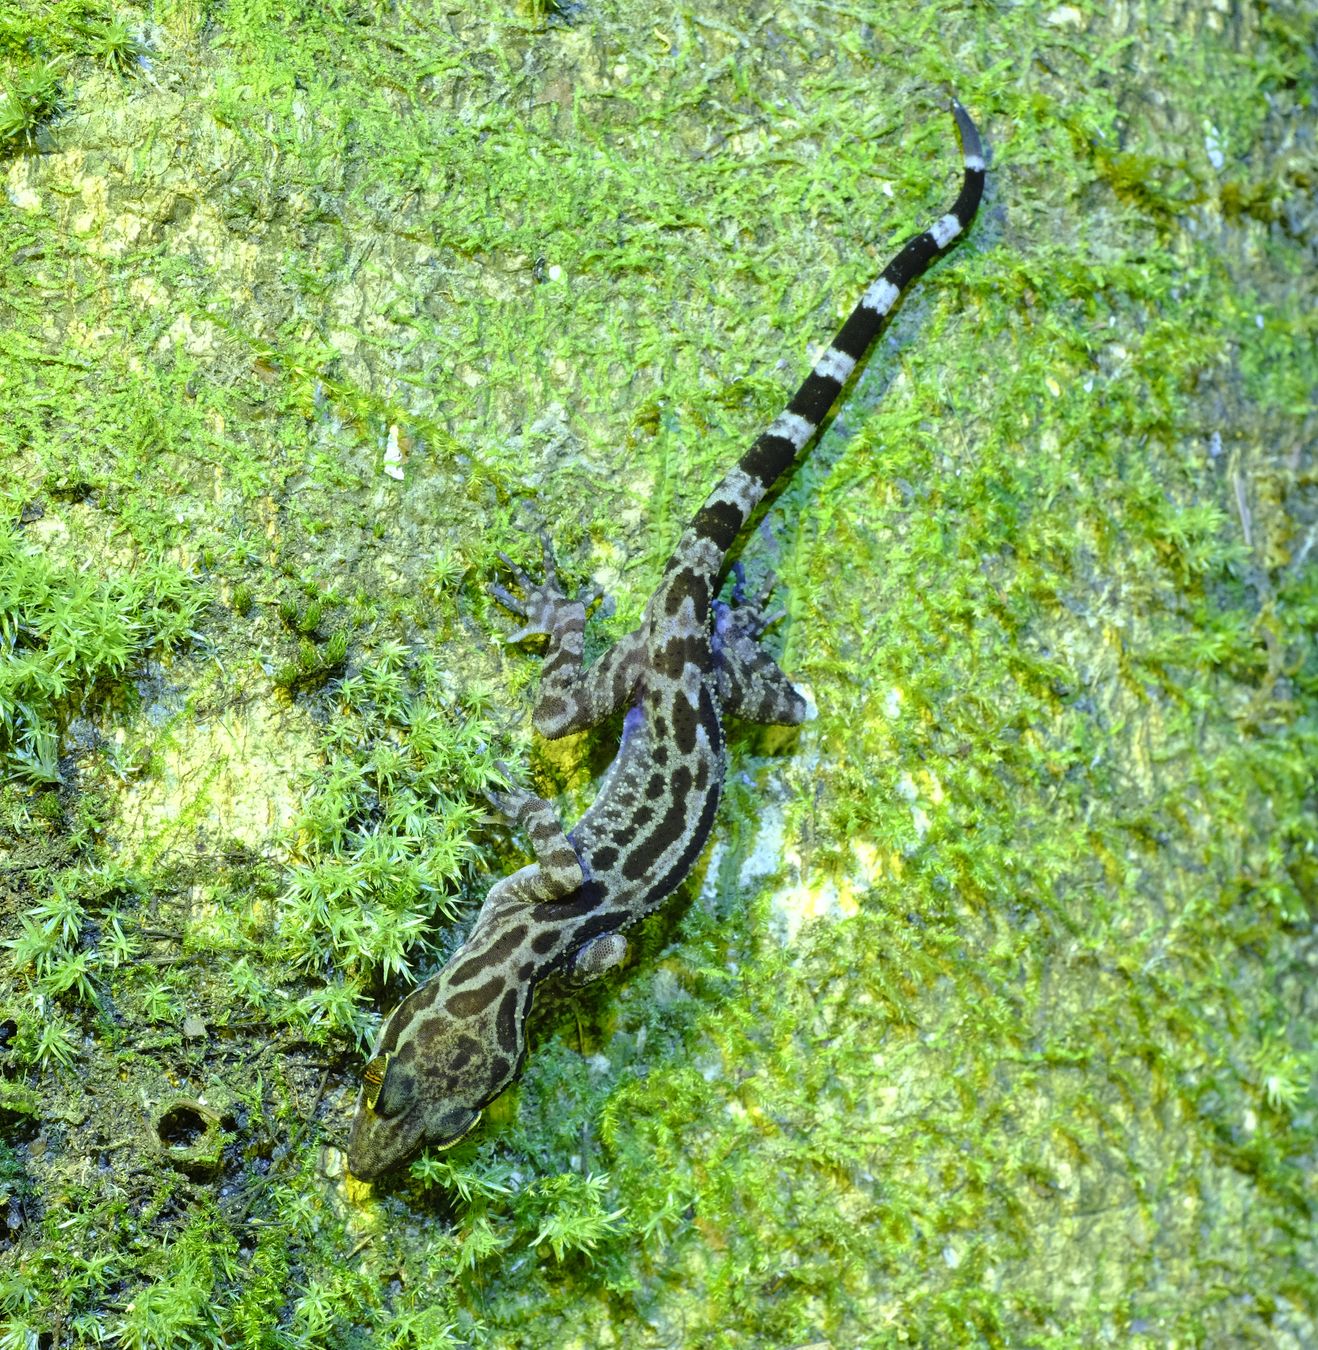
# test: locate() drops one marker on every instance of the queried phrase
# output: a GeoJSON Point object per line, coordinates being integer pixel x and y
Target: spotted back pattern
{"type": "Point", "coordinates": [459, 1039]}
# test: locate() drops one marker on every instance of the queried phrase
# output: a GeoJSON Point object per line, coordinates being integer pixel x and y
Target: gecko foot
{"type": "Point", "coordinates": [747, 616]}
{"type": "Point", "coordinates": [543, 604]}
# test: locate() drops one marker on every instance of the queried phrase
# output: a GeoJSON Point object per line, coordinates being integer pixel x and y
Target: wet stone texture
{"type": "Point", "coordinates": [987, 1017]}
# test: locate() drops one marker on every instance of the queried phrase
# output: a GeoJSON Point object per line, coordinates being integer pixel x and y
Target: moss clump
{"type": "Point", "coordinates": [30, 98]}
{"type": "Point", "coordinates": [386, 837]}
{"type": "Point", "coordinates": [45, 49]}
{"type": "Point", "coordinates": [69, 639]}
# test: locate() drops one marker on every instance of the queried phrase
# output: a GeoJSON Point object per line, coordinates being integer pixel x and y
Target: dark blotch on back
{"type": "Point", "coordinates": [506, 1024]}
{"type": "Point", "coordinates": [673, 878]}
{"type": "Point", "coordinates": [671, 660]}
{"type": "Point", "coordinates": [469, 1002]}
{"type": "Point", "coordinates": [638, 862]}
{"type": "Point", "coordinates": [684, 586]}
{"type": "Point", "coordinates": [684, 725]}
{"type": "Point", "coordinates": [495, 954]}
{"type": "Point", "coordinates": [467, 1048]}
{"type": "Point", "coordinates": [709, 717]}
{"type": "Point", "coordinates": [500, 1072]}
{"type": "Point", "coordinates": [670, 829]}
{"type": "Point", "coordinates": [602, 859]}
{"type": "Point", "coordinates": [552, 706]}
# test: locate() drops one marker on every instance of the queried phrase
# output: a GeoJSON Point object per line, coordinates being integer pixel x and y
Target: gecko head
{"type": "Point", "coordinates": [430, 1076]}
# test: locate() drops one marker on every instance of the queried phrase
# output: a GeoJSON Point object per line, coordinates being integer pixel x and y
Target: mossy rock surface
{"type": "Point", "coordinates": [988, 1017]}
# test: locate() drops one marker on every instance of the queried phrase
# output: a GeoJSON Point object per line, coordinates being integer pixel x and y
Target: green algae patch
{"type": "Point", "coordinates": [987, 1018]}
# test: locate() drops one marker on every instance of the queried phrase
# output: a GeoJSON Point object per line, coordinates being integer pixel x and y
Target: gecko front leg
{"type": "Point", "coordinates": [557, 869]}
{"type": "Point", "coordinates": [557, 872]}
{"type": "Point", "coordinates": [571, 697]}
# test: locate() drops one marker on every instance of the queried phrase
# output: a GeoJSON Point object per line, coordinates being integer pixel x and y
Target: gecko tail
{"type": "Point", "coordinates": [729, 506]}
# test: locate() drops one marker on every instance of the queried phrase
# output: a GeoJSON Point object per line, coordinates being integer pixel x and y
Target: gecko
{"type": "Point", "coordinates": [459, 1039]}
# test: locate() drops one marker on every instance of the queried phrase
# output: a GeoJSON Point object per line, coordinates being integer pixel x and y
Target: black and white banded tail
{"type": "Point", "coordinates": [729, 506]}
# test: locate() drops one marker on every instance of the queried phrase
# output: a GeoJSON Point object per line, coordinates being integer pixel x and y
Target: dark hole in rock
{"type": "Point", "coordinates": [181, 1126]}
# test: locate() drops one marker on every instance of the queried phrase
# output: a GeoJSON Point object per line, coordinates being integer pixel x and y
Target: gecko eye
{"type": "Point", "coordinates": [373, 1079]}
{"type": "Point", "coordinates": [388, 1087]}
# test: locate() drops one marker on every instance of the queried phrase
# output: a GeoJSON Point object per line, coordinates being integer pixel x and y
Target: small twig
{"type": "Point", "coordinates": [320, 1092]}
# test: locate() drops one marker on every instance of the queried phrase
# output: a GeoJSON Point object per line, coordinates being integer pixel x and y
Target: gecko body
{"type": "Point", "coordinates": [458, 1040]}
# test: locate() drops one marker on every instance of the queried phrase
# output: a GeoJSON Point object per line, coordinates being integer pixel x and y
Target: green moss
{"type": "Point", "coordinates": [68, 638]}
{"type": "Point", "coordinates": [31, 98]}
{"type": "Point", "coordinates": [1041, 1074]}
{"type": "Point", "coordinates": [46, 48]}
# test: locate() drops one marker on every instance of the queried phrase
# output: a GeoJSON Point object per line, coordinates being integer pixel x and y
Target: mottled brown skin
{"type": "Point", "coordinates": [458, 1040]}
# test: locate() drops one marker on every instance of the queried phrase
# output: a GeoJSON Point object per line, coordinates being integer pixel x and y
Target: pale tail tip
{"type": "Point", "coordinates": [970, 142]}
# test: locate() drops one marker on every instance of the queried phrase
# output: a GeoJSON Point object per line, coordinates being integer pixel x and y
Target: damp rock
{"type": "Point", "coordinates": [189, 1135]}
{"type": "Point", "coordinates": [20, 1110]}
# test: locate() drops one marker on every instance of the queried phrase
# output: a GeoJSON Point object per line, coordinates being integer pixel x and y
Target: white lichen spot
{"type": "Point", "coordinates": [869, 863]}
{"type": "Point", "coordinates": [191, 333]}
{"type": "Point", "coordinates": [554, 272]}
{"type": "Point", "coordinates": [908, 792]}
{"type": "Point", "coordinates": [892, 703]}
{"type": "Point", "coordinates": [1213, 145]}
{"type": "Point", "coordinates": [1066, 16]}
{"type": "Point", "coordinates": [393, 455]}
{"type": "Point", "coordinates": [796, 906]}
{"type": "Point", "coordinates": [811, 707]}
{"type": "Point", "coordinates": [766, 854]}
{"type": "Point", "coordinates": [149, 291]}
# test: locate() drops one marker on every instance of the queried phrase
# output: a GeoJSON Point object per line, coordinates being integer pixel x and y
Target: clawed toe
{"type": "Point", "coordinates": [505, 802]}
{"type": "Point", "coordinates": [543, 604]}
{"type": "Point", "coordinates": [547, 553]}
{"type": "Point", "coordinates": [505, 597]}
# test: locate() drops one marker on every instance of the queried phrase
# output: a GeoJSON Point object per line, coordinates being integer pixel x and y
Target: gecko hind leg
{"type": "Point", "coordinates": [751, 684]}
